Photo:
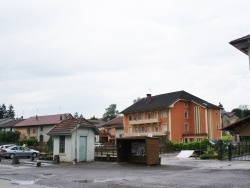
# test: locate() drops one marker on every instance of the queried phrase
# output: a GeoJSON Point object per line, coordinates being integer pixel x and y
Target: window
{"type": "Point", "coordinates": [41, 128]}
{"type": "Point", "coordinates": [156, 115]}
{"type": "Point", "coordinates": [186, 104]}
{"type": "Point", "coordinates": [149, 115]}
{"type": "Point", "coordinates": [186, 127]}
{"type": "Point", "coordinates": [180, 140]}
{"type": "Point", "coordinates": [120, 135]}
{"type": "Point", "coordinates": [149, 128]}
{"type": "Point", "coordinates": [136, 129]}
{"type": "Point", "coordinates": [142, 115]}
{"type": "Point", "coordinates": [61, 144]}
{"type": "Point", "coordinates": [164, 113]}
{"type": "Point", "coordinates": [28, 130]}
{"type": "Point", "coordinates": [217, 112]}
{"type": "Point", "coordinates": [191, 139]}
{"type": "Point", "coordinates": [130, 117]}
{"type": "Point", "coordinates": [185, 140]}
{"type": "Point", "coordinates": [217, 125]}
{"type": "Point", "coordinates": [186, 114]}
{"type": "Point", "coordinates": [136, 117]}
{"type": "Point", "coordinates": [129, 129]}
{"type": "Point", "coordinates": [142, 129]}
{"type": "Point", "coordinates": [156, 128]}
{"type": "Point", "coordinates": [164, 128]}
{"type": "Point", "coordinates": [34, 131]}
{"type": "Point", "coordinates": [198, 139]}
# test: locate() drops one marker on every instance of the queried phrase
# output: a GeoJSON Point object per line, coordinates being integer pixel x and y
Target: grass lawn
{"type": "Point", "coordinates": [227, 137]}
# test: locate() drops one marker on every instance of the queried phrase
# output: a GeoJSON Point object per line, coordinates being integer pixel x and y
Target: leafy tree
{"type": "Point", "coordinates": [242, 111]}
{"type": "Point", "coordinates": [110, 113]}
{"type": "Point", "coordinates": [94, 118]}
{"type": "Point", "coordinates": [136, 100]}
{"type": "Point", "coordinates": [10, 112]}
{"type": "Point", "coordinates": [3, 112]}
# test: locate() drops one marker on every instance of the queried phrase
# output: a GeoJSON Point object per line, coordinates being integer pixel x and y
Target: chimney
{"type": "Point", "coordinates": [61, 118]}
{"type": "Point", "coordinates": [36, 117]}
{"type": "Point", "coordinates": [148, 98]}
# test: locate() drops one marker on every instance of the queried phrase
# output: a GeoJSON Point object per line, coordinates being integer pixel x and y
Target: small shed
{"type": "Point", "coordinates": [138, 150]}
{"type": "Point", "coordinates": [74, 140]}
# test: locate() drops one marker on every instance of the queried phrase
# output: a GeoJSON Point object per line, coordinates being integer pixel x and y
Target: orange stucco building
{"type": "Point", "coordinates": [180, 116]}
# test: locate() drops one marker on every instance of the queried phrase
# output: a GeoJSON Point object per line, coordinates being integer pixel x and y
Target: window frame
{"type": "Point", "coordinates": [62, 139]}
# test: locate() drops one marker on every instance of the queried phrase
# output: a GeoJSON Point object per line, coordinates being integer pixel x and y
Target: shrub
{"type": "Point", "coordinates": [9, 137]}
{"type": "Point", "coordinates": [205, 156]}
{"type": "Point", "coordinates": [28, 142]}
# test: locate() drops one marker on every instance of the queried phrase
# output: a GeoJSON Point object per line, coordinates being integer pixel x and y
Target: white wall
{"type": "Point", "coordinates": [46, 129]}
{"type": "Point", "coordinates": [69, 154]}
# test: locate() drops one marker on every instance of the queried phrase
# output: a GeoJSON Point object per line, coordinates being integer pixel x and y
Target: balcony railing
{"type": "Point", "coordinates": [143, 134]}
{"type": "Point", "coordinates": [144, 121]}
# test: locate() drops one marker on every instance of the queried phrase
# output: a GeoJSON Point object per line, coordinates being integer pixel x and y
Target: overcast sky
{"type": "Point", "coordinates": [60, 56]}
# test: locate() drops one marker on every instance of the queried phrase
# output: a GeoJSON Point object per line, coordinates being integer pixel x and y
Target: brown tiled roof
{"type": "Point", "coordinates": [115, 121]}
{"type": "Point", "coordinates": [43, 120]}
{"type": "Point", "coordinates": [66, 126]}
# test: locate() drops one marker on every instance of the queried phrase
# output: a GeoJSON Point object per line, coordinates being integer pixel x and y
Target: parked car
{"type": "Point", "coordinates": [6, 146]}
{"type": "Point", "coordinates": [19, 151]}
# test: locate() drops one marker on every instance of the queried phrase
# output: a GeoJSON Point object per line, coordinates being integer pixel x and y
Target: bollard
{"type": "Point", "coordinates": [108, 157]}
{"type": "Point", "coordinates": [38, 164]}
{"type": "Point", "coordinates": [32, 158]}
{"type": "Point", "coordinates": [15, 160]}
{"type": "Point", "coordinates": [56, 159]}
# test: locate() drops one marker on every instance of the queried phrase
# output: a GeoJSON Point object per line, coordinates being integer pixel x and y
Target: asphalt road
{"type": "Point", "coordinates": [173, 172]}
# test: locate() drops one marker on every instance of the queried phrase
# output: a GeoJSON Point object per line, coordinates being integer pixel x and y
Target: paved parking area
{"type": "Point", "coordinates": [173, 172]}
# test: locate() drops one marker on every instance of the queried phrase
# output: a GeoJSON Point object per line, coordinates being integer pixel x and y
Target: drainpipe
{"type": "Point", "coordinates": [75, 160]}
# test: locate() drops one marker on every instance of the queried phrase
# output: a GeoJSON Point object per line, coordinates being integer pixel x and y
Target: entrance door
{"type": "Point", "coordinates": [41, 139]}
{"type": "Point", "coordinates": [83, 148]}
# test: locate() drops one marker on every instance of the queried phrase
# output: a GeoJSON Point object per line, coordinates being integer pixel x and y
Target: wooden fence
{"type": "Point", "coordinates": [110, 150]}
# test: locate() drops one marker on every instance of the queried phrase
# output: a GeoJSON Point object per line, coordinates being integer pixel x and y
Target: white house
{"type": "Point", "coordinates": [74, 140]}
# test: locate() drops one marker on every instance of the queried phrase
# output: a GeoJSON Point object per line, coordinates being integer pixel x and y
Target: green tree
{"type": "Point", "coordinates": [3, 111]}
{"type": "Point", "coordinates": [110, 113]}
{"type": "Point", "coordinates": [242, 111]}
{"type": "Point", "coordinates": [10, 112]}
{"type": "Point", "coordinates": [94, 118]}
{"type": "Point", "coordinates": [136, 100]}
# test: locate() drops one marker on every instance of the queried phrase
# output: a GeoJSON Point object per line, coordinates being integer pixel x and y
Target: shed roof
{"type": "Point", "coordinates": [165, 101]}
{"type": "Point", "coordinates": [67, 126]}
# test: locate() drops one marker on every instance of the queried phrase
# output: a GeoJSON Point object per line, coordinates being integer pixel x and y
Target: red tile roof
{"type": "Point", "coordinates": [68, 125]}
{"type": "Point", "coordinates": [115, 121]}
{"type": "Point", "coordinates": [43, 120]}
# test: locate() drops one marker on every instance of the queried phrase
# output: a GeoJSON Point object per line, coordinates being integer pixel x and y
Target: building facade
{"type": "Point", "coordinates": [179, 116]}
{"type": "Point", "coordinates": [37, 127]}
{"type": "Point", "coordinates": [112, 130]}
